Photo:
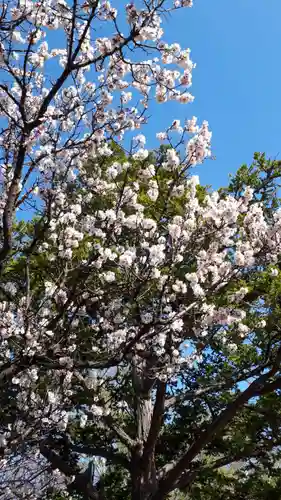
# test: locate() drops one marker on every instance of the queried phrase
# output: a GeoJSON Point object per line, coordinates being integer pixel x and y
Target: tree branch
{"type": "Point", "coordinates": [81, 484]}
{"type": "Point", "coordinates": [123, 436]}
{"type": "Point", "coordinates": [173, 471]}
{"type": "Point", "coordinates": [110, 455]}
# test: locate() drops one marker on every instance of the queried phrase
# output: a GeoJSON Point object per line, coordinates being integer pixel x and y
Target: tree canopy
{"type": "Point", "coordinates": [140, 310]}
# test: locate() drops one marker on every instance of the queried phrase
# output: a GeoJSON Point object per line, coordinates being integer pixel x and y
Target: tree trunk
{"type": "Point", "coordinates": [143, 478]}
{"type": "Point", "coordinates": [143, 472]}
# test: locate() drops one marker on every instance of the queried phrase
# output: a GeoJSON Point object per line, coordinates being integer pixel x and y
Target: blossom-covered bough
{"type": "Point", "coordinates": [125, 289]}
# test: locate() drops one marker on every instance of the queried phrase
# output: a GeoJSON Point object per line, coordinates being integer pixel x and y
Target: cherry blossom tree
{"type": "Point", "coordinates": [123, 281]}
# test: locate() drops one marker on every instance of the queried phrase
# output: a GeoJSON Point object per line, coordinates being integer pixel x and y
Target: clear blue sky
{"type": "Point", "coordinates": [237, 47]}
